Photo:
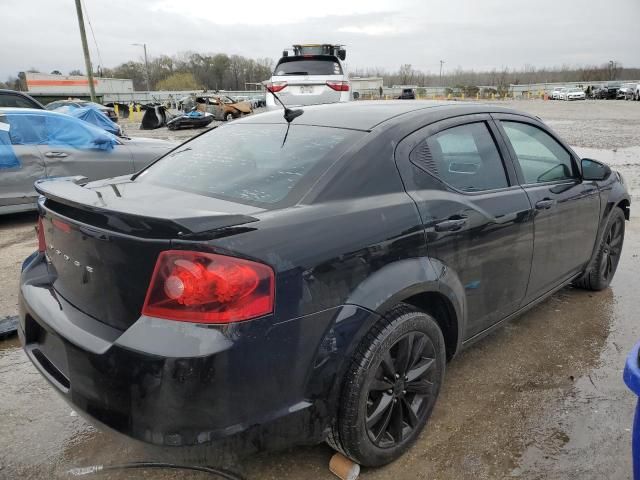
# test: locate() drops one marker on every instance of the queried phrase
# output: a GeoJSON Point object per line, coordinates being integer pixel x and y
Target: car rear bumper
{"type": "Point", "coordinates": [176, 383]}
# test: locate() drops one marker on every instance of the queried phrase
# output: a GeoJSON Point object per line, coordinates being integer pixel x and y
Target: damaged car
{"type": "Point", "coordinates": [294, 280]}
{"type": "Point", "coordinates": [222, 107]}
{"type": "Point", "coordinates": [37, 144]}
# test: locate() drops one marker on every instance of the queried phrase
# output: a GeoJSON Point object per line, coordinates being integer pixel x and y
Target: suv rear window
{"type": "Point", "coordinates": [308, 66]}
{"type": "Point", "coordinates": [248, 163]}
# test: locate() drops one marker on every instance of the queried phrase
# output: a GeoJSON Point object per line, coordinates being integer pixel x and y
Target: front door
{"type": "Point", "coordinates": [477, 218]}
{"type": "Point", "coordinates": [566, 208]}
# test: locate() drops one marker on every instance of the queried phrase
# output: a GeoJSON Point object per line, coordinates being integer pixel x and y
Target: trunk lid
{"type": "Point", "coordinates": [102, 241]}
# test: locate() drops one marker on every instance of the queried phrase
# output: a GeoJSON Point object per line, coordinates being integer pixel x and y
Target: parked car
{"type": "Point", "coordinates": [77, 103]}
{"type": "Point", "coordinates": [222, 107]}
{"type": "Point", "coordinates": [608, 91]}
{"type": "Point", "coordinates": [309, 79]}
{"type": "Point", "coordinates": [37, 144]}
{"type": "Point", "coordinates": [407, 94]}
{"type": "Point", "coordinates": [12, 98]}
{"type": "Point", "coordinates": [293, 283]}
{"type": "Point", "coordinates": [557, 92]}
{"type": "Point", "coordinates": [627, 91]}
{"type": "Point", "coordinates": [574, 93]}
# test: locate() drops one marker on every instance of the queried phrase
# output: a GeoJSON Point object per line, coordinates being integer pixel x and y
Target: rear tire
{"type": "Point", "coordinates": [607, 256]}
{"type": "Point", "coordinates": [390, 388]}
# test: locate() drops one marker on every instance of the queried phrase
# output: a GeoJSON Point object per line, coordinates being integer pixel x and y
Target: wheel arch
{"type": "Point", "coordinates": [424, 283]}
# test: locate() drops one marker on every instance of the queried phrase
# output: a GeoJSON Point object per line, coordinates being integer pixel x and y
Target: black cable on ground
{"type": "Point", "coordinates": [94, 469]}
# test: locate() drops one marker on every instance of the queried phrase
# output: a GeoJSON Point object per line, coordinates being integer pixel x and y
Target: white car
{"type": "Point", "coordinates": [557, 93]}
{"type": "Point", "coordinates": [627, 91]}
{"type": "Point", "coordinates": [574, 93]}
{"type": "Point", "coordinates": [313, 75]}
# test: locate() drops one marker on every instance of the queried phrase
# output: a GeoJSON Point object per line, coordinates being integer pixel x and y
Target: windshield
{"type": "Point", "coordinates": [248, 163]}
{"type": "Point", "coordinates": [308, 66]}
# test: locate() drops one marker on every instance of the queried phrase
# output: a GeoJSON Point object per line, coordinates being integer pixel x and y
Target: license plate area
{"type": "Point", "coordinates": [306, 89]}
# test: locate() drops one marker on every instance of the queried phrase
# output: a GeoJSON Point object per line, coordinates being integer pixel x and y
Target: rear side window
{"type": "Point", "coordinates": [308, 66]}
{"type": "Point", "coordinates": [16, 101]}
{"type": "Point", "coordinates": [541, 158]}
{"type": "Point", "coordinates": [249, 163]}
{"type": "Point", "coordinates": [465, 157]}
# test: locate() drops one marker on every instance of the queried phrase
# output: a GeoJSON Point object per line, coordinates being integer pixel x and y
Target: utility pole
{"type": "Point", "coordinates": [441, 63]}
{"type": "Point", "coordinates": [85, 48]}
{"type": "Point", "coordinates": [146, 64]}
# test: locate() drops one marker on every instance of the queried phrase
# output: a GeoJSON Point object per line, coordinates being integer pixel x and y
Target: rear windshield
{"type": "Point", "coordinates": [308, 66]}
{"type": "Point", "coordinates": [248, 163]}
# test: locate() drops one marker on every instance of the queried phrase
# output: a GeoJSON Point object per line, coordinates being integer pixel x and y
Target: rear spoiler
{"type": "Point", "coordinates": [104, 202]}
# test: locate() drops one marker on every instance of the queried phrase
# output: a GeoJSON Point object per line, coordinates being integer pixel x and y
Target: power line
{"type": "Point", "coordinates": [86, 12]}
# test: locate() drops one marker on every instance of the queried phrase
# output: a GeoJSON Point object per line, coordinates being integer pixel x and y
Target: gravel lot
{"type": "Point", "coordinates": [541, 398]}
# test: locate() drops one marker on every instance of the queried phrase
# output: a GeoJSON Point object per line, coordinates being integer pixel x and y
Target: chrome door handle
{"type": "Point", "coordinates": [56, 155]}
{"type": "Point", "coordinates": [545, 204]}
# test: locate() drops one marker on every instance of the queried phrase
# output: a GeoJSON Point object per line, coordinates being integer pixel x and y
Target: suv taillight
{"type": "Point", "coordinates": [340, 86]}
{"type": "Point", "coordinates": [208, 288]}
{"type": "Point", "coordinates": [42, 244]}
{"type": "Point", "coordinates": [275, 87]}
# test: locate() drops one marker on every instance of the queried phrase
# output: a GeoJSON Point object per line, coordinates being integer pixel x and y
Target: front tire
{"type": "Point", "coordinates": [604, 266]}
{"type": "Point", "coordinates": [390, 388]}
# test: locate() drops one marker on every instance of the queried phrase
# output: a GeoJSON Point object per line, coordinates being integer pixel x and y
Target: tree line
{"type": "Point", "coordinates": [184, 71]}
{"type": "Point", "coordinates": [501, 78]}
{"type": "Point", "coordinates": [219, 71]}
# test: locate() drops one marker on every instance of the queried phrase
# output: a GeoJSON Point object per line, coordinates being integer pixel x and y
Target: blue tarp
{"type": "Point", "coordinates": [41, 127]}
{"type": "Point", "coordinates": [8, 158]}
{"type": "Point", "coordinates": [95, 117]}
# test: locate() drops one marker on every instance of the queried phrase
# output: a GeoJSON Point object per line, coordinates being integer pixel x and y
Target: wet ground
{"type": "Point", "coordinates": [542, 398]}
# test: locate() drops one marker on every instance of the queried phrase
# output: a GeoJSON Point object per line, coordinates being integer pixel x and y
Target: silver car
{"type": "Point", "coordinates": [313, 75]}
{"type": "Point", "coordinates": [36, 144]}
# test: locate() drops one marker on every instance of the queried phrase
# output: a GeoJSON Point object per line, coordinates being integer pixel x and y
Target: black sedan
{"type": "Point", "coordinates": [307, 282]}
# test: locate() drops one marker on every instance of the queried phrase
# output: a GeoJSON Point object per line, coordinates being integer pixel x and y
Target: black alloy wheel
{"type": "Point", "coordinates": [603, 267]}
{"type": "Point", "coordinates": [401, 391]}
{"type": "Point", "coordinates": [612, 249]}
{"type": "Point", "coordinates": [390, 388]}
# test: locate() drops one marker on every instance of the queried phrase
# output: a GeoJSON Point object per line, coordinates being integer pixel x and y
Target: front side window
{"type": "Point", "coordinates": [541, 158]}
{"type": "Point", "coordinates": [251, 163]}
{"type": "Point", "coordinates": [465, 157]}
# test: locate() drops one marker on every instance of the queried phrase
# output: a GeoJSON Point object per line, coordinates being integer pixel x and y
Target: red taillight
{"type": "Point", "coordinates": [275, 87]}
{"type": "Point", "coordinates": [338, 86]}
{"type": "Point", "coordinates": [208, 288]}
{"type": "Point", "coordinates": [42, 244]}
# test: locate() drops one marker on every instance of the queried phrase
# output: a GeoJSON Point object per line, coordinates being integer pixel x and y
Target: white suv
{"type": "Point", "coordinates": [313, 75]}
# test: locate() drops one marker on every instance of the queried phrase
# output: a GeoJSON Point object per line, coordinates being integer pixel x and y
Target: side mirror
{"type": "Point", "coordinates": [342, 54]}
{"type": "Point", "coordinates": [594, 170]}
{"type": "Point", "coordinates": [285, 53]}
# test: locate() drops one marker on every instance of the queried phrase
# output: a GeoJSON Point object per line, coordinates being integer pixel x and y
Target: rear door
{"type": "Point", "coordinates": [476, 217]}
{"type": "Point", "coordinates": [63, 156]}
{"type": "Point", "coordinates": [21, 163]}
{"type": "Point", "coordinates": [567, 210]}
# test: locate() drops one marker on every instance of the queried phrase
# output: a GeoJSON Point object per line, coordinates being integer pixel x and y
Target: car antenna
{"type": "Point", "coordinates": [289, 114]}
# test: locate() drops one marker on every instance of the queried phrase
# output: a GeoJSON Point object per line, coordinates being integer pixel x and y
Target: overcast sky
{"type": "Point", "coordinates": [479, 34]}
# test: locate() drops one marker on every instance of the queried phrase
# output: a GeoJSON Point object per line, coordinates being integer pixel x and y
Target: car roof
{"type": "Point", "coordinates": [26, 111]}
{"type": "Point", "coordinates": [366, 115]}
